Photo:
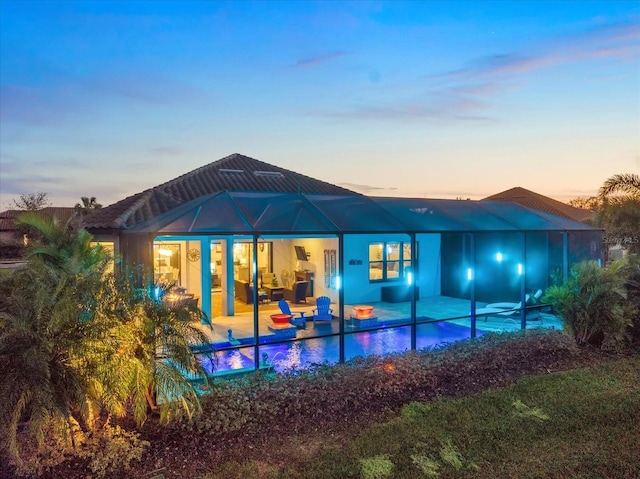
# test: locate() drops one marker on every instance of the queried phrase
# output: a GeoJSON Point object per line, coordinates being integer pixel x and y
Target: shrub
{"type": "Point", "coordinates": [592, 303]}
{"type": "Point", "coordinates": [632, 285]}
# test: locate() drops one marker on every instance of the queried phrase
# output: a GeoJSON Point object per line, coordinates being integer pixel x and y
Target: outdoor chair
{"type": "Point", "coordinates": [297, 293]}
{"type": "Point", "coordinates": [284, 307]}
{"type": "Point", "coordinates": [510, 310]}
{"type": "Point", "coordinates": [322, 311]}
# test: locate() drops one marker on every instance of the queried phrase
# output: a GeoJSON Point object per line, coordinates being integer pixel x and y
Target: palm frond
{"type": "Point", "coordinates": [628, 183]}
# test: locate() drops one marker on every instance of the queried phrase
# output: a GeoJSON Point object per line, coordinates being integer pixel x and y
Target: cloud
{"type": "Point", "coordinates": [620, 41]}
{"type": "Point", "coordinates": [367, 189]}
{"type": "Point", "coordinates": [166, 151]}
{"type": "Point", "coordinates": [468, 93]}
{"type": "Point", "coordinates": [66, 97]}
{"type": "Point", "coordinates": [318, 60]}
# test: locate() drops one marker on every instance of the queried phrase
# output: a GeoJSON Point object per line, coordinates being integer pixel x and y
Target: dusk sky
{"type": "Point", "coordinates": [425, 99]}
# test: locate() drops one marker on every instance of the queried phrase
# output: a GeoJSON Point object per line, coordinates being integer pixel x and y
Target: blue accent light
{"type": "Point", "coordinates": [499, 257]}
{"type": "Point", "coordinates": [409, 278]}
{"type": "Point", "coordinates": [520, 269]}
{"type": "Point", "coordinates": [469, 274]}
{"type": "Point", "coordinates": [338, 282]}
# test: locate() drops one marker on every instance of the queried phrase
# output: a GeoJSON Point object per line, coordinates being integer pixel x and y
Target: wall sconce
{"type": "Point", "coordinates": [261, 247]}
{"type": "Point", "coordinates": [308, 256]}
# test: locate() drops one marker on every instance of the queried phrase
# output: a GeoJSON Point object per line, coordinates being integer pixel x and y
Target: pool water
{"type": "Point", "coordinates": [304, 353]}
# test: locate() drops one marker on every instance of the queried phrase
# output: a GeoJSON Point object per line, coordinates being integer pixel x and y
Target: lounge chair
{"type": "Point", "coordinates": [507, 310]}
{"type": "Point", "coordinates": [323, 311]}
{"type": "Point", "coordinates": [506, 305]}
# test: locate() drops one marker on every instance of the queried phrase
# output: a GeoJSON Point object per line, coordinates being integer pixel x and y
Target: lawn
{"type": "Point", "coordinates": [582, 423]}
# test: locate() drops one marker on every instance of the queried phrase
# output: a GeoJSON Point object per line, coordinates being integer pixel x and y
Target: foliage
{"type": "Point", "coordinates": [112, 449]}
{"type": "Point", "coordinates": [586, 203]}
{"type": "Point", "coordinates": [87, 206]}
{"type": "Point", "coordinates": [282, 425]}
{"type": "Point", "coordinates": [592, 303]}
{"type": "Point", "coordinates": [632, 284]}
{"type": "Point", "coordinates": [619, 211]}
{"type": "Point", "coordinates": [626, 183]}
{"type": "Point", "coordinates": [83, 209]}
{"type": "Point", "coordinates": [79, 345]}
{"type": "Point", "coordinates": [377, 467]}
{"type": "Point", "coordinates": [300, 398]}
{"type": "Point", "coordinates": [32, 201]}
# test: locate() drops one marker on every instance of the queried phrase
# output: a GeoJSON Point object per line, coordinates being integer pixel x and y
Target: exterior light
{"type": "Point", "coordinates": [498, 257]}
{"type": "Point", "coordinates": [520, 269]}
{"type": "Point", "coordinates": [469, 274]}
{"type": "Point", "coordinates": [409, 278]}
{"type": "Point", "coordinates": [338, 282]}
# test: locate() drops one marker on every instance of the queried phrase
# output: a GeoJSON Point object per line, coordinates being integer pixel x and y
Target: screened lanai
{"type": "Point", "coordinates": [400, 273]}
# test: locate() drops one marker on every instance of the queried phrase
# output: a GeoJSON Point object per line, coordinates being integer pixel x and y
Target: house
{"type": "Point", "coordinates": [11, 236]}
{"type": "Point", "coordinates": [239, 234]}
{"type": "Point", "coordinates": [539, 202]}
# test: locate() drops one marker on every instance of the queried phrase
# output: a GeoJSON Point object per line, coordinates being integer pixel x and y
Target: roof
{"type": "Point", "coordinates": [61, 213]}
{"type": "Point", "coordinates": [234, 173]}
{"type": "Point", "coordinates": [539, 202]}
{"type": "Point", "coordinates": [241, 195]}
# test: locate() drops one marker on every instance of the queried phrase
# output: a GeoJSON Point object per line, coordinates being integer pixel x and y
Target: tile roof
{"type": "Point", "coordinates": [536, 201]}
{"type": "Point", "coordinates": [61, 213]}
{"type": "Point", "coordinates": [232, 173]}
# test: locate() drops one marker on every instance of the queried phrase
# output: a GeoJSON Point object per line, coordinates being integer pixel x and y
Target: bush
{"type": "Point", "coordinates": [592, 303]}
{"type": "Point", "coordinates": [311, 398]}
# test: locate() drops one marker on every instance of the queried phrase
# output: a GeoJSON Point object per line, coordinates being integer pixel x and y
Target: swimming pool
{"type": "Point", "coordinates": [306, 352]}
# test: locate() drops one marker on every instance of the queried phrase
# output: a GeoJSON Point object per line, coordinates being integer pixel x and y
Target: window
{"type": "Point", "coordinates": [389, 261]}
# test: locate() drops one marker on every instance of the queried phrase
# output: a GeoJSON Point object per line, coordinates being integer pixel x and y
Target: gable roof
{"type": "Point", "coordinates": [536, 201]}
{"type": "Point", "coordinates": [234, 173]}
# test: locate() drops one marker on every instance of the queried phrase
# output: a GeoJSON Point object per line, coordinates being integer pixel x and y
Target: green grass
{"type": "Point", "coordinates": [578, 424]}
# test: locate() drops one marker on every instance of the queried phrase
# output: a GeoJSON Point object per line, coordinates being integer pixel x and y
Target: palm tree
{"type": "Point", "coordinates": [86, 207]}
{"type": "Point", "coordinates": [628, 183]}
{"type": "Point", "coordinates": [45, 336]}
{"type": "Point", "coordinates": [619, 212]}
{"type": "Point", "coordinates": [78, 343]}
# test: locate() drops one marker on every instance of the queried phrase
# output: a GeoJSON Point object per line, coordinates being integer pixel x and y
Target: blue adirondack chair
{"type": "Point", "coordinates": [323, 311]}
{"type": "Point", "coordinates": [284, 307]}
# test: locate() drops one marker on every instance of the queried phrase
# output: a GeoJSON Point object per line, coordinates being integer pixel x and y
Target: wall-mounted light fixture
{"type": "Point", "coordinates": [261, 246]}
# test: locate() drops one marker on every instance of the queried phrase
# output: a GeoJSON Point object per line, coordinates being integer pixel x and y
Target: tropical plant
{"type": "Point", "coordinates": [87, 206]}
{"type": "Point", "coordinates": [592, 303]}
{"type": "Point", "coordinates": [619, 211]}
{"type": "Point", "coordinates": [628, 184]}
{"type": "Point", "coordinates": [78, 344]}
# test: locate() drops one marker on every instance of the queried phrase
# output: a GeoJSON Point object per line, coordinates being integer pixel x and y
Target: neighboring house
{"type": "Point", "coordinates": [536, 201]}
{"type": "Point", "coordinates": [522, 196]}
{"type": "Point", "coordinates": [12, 239]}
{"type": "Point", "coordinates": [419, 268]}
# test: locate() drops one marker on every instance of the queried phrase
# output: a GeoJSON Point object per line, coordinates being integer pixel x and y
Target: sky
{"type": "Point", "coordinates": [436, 99]}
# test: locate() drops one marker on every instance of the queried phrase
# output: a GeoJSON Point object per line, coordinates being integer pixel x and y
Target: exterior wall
{"type": "Point", "coordinates": [357, 287]}
{"type": "Point", "coordinates": [429, 272]}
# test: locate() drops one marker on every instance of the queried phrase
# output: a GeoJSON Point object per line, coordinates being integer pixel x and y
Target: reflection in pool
{"type": "Point", "coordinates": [304, 353]}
